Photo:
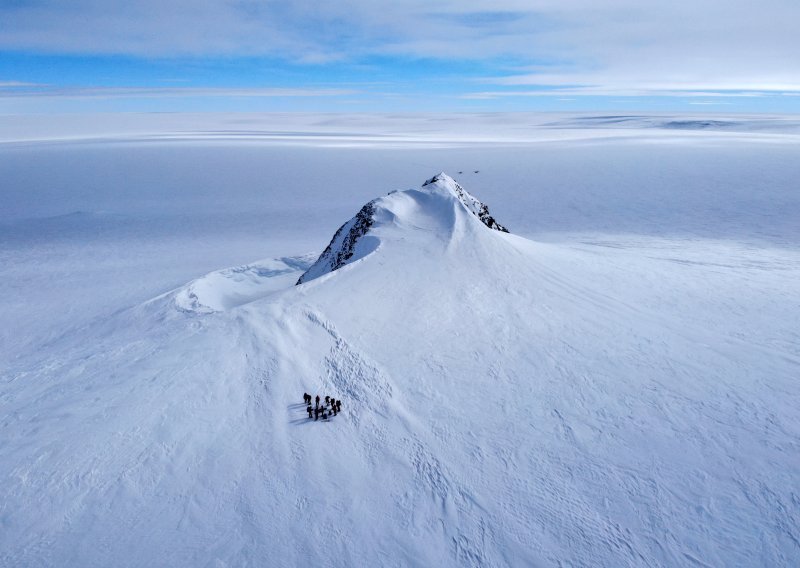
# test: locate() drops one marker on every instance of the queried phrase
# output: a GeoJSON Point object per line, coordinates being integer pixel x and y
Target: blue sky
{"type": "Point", "coordinates": [357, 55]}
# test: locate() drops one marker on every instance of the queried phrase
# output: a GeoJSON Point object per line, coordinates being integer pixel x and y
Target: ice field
{"type": "Point", "coordinates": [612, 383]}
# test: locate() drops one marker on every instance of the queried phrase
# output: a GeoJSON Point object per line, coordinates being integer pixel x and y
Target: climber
{"type": "Point", "coordinates": [309, 410]}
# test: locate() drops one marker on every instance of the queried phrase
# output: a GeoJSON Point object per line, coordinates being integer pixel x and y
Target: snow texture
{"type": "Point", "coordinates": [620, 390]}
{"type": "Point", "coordinates": [226, 289]}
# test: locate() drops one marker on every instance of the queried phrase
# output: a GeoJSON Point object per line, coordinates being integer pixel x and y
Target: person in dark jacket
{"type": "Point", "coordinates": [339, 405]}
{"type": "Point", "coordinates": [308, 409]}
{"type": "Point", "coordinates": [317, 401]}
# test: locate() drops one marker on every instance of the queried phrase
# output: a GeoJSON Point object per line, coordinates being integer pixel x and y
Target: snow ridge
{"type": "Point", "coordinates": [343, 245]}
{"type": "Point", "coordinates": [348, 244]}
{"type": "Point", "coordinates": [477, 207]}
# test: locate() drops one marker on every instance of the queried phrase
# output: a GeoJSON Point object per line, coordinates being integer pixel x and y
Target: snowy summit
{"type": "Point", "coordinates": [437, 196]}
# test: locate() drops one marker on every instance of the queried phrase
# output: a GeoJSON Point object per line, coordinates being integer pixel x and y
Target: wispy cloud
{"type": "Point", "coordinates": [595, 91]}
{"type": "Point", "coordinates": [613, 47]}
{"type": "Point", "coordinates": [169, 92]}
{"type": "Point", "coordinates": [17, 85]}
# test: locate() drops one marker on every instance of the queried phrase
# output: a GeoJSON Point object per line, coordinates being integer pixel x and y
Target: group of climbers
{"type": "Point", "coordinates": [329, 409]}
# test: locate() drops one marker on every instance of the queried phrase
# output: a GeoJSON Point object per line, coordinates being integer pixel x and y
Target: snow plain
{"type": "Point", "coordinates": [615, 383]}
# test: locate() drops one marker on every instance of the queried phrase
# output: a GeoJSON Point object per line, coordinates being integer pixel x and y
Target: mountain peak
{"type": "Point", "coordinates": [442, 179]}
{"type": "Point", "coordinates": [354, 240]}
{"type": "Point", "coordinates": [473, 204]}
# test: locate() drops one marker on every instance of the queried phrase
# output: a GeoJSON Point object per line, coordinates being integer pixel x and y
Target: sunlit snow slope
{"type": "Point", "coordinates": [500, 408]}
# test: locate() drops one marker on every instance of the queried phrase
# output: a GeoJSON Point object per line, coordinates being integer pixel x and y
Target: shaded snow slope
{"type": "Point", "coordinates": [225, 289]}
{"type": "Point", "coordinates": [505, 403]}
{"type": "Point", "coordinates": [436, 197]}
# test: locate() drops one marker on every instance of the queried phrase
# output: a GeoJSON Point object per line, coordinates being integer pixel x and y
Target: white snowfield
{"type": "Point", "coordinates": [504, 403]}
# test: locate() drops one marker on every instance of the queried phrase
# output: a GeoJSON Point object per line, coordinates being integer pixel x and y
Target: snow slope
{"type": "Point", "coordinates": [231, 287]}
{"type": "Point", "coordinates": [352, 241]}
{"type": "Point", "coordinates": [506, 403]}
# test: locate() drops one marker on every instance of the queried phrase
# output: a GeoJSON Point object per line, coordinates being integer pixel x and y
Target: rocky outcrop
{"type": "Point", "coordinates": [342, 246]}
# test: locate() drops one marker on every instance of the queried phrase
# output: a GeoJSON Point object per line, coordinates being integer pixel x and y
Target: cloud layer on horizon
{"type": "Point", "coordinates": [610, 47]}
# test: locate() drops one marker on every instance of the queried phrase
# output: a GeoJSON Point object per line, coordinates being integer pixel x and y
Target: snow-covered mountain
{"type": "Point", "coordinates": [349, 243]}
{"type": "Point", "coordinates": [500, 408]}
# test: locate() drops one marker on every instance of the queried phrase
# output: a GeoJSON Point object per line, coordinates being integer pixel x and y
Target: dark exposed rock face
{"type": "Point", "coordinates": [341, 247]}
{"type": "Point", "coordinates": [488, 220]}
{"type": "Point", "coordinates": [478, 208]}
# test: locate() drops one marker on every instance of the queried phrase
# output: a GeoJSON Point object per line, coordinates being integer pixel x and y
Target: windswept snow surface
{"type": "Point", "coordinates": [588, 398]}
{"type": "Point", "coordinates": [226, 289]}
{"type": "Point", "coordinates": [352, 241]}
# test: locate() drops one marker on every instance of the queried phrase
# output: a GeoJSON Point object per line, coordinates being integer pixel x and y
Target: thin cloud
{"type": "Point", "coordinates": [174, 92]}
{"type": "Point", "coordinates": [18, 85]}
{"type": "Point", "coordinates": [607, 92]}
{"type": "Point", "coordinates": [611, 46]}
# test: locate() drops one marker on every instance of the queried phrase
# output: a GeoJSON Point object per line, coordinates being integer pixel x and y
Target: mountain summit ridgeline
{"type": "Point", "coordinates": [438, 196]}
